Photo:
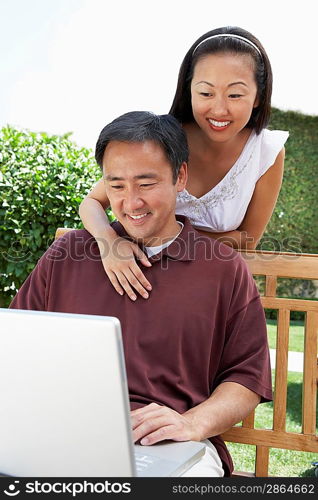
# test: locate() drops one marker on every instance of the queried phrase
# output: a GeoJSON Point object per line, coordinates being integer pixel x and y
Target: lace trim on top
{"type": "Point", "coordinates": [226, 190]}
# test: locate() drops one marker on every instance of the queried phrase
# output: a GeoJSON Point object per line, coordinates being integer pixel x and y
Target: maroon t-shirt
{"type": "Point", "coordinates": [202, 325]}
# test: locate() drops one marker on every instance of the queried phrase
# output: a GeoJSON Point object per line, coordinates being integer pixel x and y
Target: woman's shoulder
{"type": "Point", "coordinates": [265, 146]}
{"type": "Point", "coordinates": [271, 142]}
{"type": "Point", "coordinates": [273, 138]}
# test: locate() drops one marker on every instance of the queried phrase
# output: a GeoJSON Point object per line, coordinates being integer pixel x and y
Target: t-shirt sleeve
{"type": "Point", "coordinates": [34, 292]}
{"type": "Point", "coordinates": [272, 143]}
{"type": "Point", "coordinates": [245, 359]}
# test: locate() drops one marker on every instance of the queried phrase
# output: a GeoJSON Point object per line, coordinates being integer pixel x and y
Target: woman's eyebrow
{"type": "Point", "coordinates": [237, 83]}
{"type": "Point", "coordinates": [229, 85]}
{"type": "Point", "coordinates": [203, 81]}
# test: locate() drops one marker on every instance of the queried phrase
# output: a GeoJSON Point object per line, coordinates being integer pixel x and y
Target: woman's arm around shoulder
{"type": "Point", "coordinates": [92, 211]}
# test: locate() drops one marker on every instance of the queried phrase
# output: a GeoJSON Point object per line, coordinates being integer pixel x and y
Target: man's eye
{"type": "Point", "coordinates": [235, 96]}
{"type": "Point", "coordinates": [116, 187]}
{"type": "Point", "coordinates": [147, 185]}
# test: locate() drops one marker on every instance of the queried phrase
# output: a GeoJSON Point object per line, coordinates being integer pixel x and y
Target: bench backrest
{"type": "Point", "coordinates": [274, 265]}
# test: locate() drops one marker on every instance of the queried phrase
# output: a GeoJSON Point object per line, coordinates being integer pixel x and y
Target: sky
{"type": "Point", "coordinates": [74, 65]}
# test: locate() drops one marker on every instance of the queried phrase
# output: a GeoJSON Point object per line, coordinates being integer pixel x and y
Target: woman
{"type": "Point", "coordinates": [235, 166]}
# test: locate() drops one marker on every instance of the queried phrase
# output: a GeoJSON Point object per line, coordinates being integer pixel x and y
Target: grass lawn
{"type": "Point", "coordinates": [284, 463]}
{"type": "Point", "coordinates": [296, 335]}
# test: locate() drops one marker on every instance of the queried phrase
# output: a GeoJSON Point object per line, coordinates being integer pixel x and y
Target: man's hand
{"type": "Point", "coordinates": [154, 423]}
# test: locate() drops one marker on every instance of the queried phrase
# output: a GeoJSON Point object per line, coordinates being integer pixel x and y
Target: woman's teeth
{"type": "Point", "coordinates": [218, 124]}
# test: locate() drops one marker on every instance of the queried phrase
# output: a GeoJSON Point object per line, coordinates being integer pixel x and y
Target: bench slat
{"type": "Point", "coordinates": [262, 461]}
{"type": "Point", "coordinates": [272, 439]}
{"type": "Point", "coordinates": [283, 265]}
{"type": "Point", "coordinates": [291, 304]}
{"type": "Point", "coordinates": [248, 422]}
{"type": "Point", "coordinates": [281, 372]}
{"type": "Point", "coordinates": [310, 368]}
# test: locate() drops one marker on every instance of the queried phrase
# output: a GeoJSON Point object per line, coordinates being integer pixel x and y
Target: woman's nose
{"type": "Point", "coordinates": [219, 107]}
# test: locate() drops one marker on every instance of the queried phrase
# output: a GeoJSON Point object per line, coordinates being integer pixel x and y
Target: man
{"type": "Point", "coordinates": [196, 350]}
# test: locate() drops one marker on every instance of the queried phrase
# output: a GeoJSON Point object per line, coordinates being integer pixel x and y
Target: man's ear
{"type": "Point", "coordinates": [182, 177]}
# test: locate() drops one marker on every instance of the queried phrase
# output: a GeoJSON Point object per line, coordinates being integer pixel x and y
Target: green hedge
{"type": "Point", "coordinates": [293, 226]}
{"type": "Point", "coordinates": [42, 181]}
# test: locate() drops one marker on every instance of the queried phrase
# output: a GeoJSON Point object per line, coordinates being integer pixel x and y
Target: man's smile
{"type": "Point", "coordinates": [137, 219]}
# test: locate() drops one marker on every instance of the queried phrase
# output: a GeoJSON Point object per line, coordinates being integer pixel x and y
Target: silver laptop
{"type": "Point", "coordinates": [64, 402]}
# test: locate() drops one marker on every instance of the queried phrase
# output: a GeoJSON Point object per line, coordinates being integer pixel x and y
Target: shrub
{"type": "Point", "coordinates": [293, 226]}
{"type": "Point", "coordinates": [42, 181]}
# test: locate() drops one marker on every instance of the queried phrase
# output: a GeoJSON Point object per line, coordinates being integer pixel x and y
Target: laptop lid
{"type": "Point", "coordinates": [65, 407]}
{"type": "Point", "coordinates": [64, 398]}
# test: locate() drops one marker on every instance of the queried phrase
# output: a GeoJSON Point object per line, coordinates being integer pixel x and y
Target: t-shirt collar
{"type": "Point", "coordinates": [182, 247]}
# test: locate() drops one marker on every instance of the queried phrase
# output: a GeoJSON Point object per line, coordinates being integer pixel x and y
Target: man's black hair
{"type": "Point", "coordinates": [142, 126]}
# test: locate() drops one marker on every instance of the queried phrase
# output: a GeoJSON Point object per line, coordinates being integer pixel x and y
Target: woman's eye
{"type": "Point", "coordinates": [235, 96]}
{"type": "Point", "coordinates": [206, 94]}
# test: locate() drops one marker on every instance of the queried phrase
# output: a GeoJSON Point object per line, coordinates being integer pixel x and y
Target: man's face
{"type": "Point", "coordinates": [140, 189]}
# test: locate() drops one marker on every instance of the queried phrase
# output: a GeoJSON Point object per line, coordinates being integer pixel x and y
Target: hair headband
{"type": "Point", "coordinates": [232, 36]}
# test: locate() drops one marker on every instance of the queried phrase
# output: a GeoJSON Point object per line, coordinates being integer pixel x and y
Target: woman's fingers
{"type": "Point", "coordinates": [114, 281]}
{"type": "Point", "coordinates": [141, 256]}
{"type": "Point", "coordinates": [129, 280]}
{"type": "Point", "coordinates": [139, 276]}
{"type": "Point", "coordinates": [124, 272]}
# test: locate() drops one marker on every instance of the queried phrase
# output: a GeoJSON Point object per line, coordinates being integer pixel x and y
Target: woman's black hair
{"type": "Point", "coordinates": [181, 107]}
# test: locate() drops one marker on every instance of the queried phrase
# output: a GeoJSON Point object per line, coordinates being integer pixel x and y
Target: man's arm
{"type": "Point", "coordinates": [33, 294]}
{"type": "Point", "coordinates": [243, 376]}
{"type": "Point", "coordinates": [228, 404]}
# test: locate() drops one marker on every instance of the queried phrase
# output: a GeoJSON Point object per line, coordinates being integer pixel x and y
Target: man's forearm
{"type": "Point", "coordinates": [227, 405]}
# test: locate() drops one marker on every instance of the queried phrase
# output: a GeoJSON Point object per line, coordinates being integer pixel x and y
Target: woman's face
{"type": "Point", "coordinates": [223, 94]}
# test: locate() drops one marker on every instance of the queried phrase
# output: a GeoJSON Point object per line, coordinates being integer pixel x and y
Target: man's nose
{"type": "Point", "coordinates": [133, 201]}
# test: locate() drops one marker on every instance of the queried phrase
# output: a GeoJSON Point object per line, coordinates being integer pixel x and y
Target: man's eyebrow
{"type": "Point", "coordinates": [146, 176]}
{"type": "Point", "coordinates": [112, 178]}
{"type": "Point", "coordinates": [229, 85]}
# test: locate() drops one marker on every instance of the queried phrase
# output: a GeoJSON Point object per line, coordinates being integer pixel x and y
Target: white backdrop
{"type": "Point", "coordinates": [74, 65]}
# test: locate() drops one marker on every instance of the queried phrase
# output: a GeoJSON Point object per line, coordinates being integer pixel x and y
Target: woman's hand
{"type": "Point", "coordinates": [119, 260]}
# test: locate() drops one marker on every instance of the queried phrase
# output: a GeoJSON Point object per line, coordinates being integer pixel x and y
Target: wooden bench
{"type": "Point", "coordinates": [275, 265]}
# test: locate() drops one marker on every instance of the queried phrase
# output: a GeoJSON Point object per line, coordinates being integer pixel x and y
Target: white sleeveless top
{"type": "Point", "coordinates": [224, 207]}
